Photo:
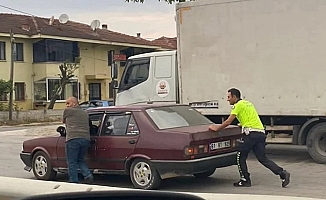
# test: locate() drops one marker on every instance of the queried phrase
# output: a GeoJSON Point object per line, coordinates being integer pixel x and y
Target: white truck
{"type": "Point", "coordinates": [272, 50]}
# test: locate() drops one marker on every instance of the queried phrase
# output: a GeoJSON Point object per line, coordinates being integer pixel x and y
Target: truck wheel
{"type": "Point", "coordinates": [316, 143]}
{"type": "Point", "coordinates": [42, 167]}
{"type": "Point", "coordinates": [143, 175]}
{"type": "Point", "coordinates": [205, 174]}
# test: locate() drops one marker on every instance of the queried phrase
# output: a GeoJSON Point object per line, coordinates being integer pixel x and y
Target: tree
{"type": "Point", "coordinates": [169, 1]}
{"type": "Point", "coordinates": [5, 87]}
{"type": "Point", "coordinates": [67, 70]}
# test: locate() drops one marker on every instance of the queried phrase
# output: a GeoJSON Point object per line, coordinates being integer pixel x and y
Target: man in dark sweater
{"type": "Point", "coordinates": [77, 140]}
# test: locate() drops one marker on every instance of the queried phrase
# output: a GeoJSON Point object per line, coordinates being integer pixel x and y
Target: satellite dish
{"type": "Point", "coordinates": [63, 18]}
{"type": "Point", "coordinates": [95, 24]}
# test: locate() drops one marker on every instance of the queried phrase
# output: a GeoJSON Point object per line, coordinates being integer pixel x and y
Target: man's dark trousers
{"type": "Point", "coordinates": [255, 141]}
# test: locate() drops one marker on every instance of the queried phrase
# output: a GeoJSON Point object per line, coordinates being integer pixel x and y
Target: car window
{"type": "Point", "coordinates": [132, 127]}
{"type": "Point", "coordinates": [94, 104]}
{"type": "Point", "coordinates": [84, 104]}
{"type": "Point", "coordinates": [176, 116]}
{"type": "Point", "coordinates": [95, 121]}
{"type": "Point", "coordinates": [99, 103]}
{"type": "Point", "coordinates": [119, 125]}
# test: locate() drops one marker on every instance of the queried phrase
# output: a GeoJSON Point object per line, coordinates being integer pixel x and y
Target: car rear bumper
{"type": "Point", "coordinates": [26, 158]}
{"type": "Point", "coordinates": [168, 169]}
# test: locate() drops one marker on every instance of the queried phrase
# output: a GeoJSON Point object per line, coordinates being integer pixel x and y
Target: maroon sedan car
{"type": "Point", "coordinates": [147, 142]}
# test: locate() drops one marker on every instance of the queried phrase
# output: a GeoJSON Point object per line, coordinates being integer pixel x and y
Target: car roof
{"type": "Point", "coordinates": [131, 107]}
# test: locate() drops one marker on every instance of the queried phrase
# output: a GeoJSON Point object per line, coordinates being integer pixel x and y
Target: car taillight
{"type": "Point", "coordinates": [195, 150]}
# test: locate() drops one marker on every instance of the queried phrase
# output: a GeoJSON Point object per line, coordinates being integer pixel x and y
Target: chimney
{"type": "Point", "coordinates": [138, 35]}
{"type": "Point", "coordinates": [105, 26]}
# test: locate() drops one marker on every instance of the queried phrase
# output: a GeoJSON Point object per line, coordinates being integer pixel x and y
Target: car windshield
{"type": "Point", "coordinates": [176, 116]}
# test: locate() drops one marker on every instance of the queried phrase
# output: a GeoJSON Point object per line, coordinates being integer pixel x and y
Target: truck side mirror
{"type": "Point", "coordinates": [114, 71]}
{"type": "Point", "coordinates": [112, 63]}
{"type": "Point", "coordinates": [114, 84]}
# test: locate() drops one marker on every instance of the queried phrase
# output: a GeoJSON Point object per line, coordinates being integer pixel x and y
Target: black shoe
{"type": "Point", "coordinates": [285, 176]}
{"type": "Point", "coordinates": [89, 179]}
{"type": "Point", "coordinates": [242, 183]}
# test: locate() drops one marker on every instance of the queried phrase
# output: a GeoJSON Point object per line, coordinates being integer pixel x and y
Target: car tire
{"type": "Point", "coordinates": [205, 174]}
{"type": "Point", "coordinates": [143, 175]}
{"type": "Point", "coordinates": [42, 167]}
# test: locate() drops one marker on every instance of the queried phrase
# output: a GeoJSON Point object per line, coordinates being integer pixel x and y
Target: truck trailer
{"type": "Point", "coordinates": [272, 50]}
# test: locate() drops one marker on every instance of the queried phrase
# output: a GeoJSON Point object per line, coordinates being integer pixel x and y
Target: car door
{"type": "Point", "coordinates": [90, 158]}
{"type": "Point", "coordinates": [117, 140]}
{"type": "Point", "coordinates": [95, 127]}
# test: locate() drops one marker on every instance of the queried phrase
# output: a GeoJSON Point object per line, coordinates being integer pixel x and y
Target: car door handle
{"type": "Point", "coordinates": [132, 141]}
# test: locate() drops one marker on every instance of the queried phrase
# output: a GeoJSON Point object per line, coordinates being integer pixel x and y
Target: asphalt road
{"type": "Point", "coordinates": [307, 177]}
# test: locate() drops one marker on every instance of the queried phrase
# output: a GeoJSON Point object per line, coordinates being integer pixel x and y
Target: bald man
{"type": "Point", "coordinates": [77, 140]}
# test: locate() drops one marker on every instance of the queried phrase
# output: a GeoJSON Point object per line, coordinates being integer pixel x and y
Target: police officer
{"type": "Point", "coordinates": [253, 139]}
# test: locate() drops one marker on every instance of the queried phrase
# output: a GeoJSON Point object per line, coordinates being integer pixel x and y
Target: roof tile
{"type": "Point", "coordinates": [70, 29]}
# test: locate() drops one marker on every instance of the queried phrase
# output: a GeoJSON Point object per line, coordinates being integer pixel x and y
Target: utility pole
{"type": "Point", "coordinates": [11, 79]}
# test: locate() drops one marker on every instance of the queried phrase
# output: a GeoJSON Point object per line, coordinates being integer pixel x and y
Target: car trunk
{"type": "Point", "coordinates": [200, 133]}
{"type": "Point", "coordinates": [208, 142]}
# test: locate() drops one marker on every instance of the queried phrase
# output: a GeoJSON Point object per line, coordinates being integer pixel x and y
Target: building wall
{"type": "Point", "coordinates": [22, 70]}
{"type": "Point", "coordinates": [94, 68]}
{"type": "Point", "coordinates": [95, 62]}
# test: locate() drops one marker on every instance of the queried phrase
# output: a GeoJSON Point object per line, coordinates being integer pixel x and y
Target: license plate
{"type": "Point", "coordinates": [219, 145]}
{"type": "Point", "coordinates": [206, 104]}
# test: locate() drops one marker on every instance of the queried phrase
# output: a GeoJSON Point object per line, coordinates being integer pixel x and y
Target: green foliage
{"type": "Point", "coordinates": [5, 87]}
{"type": "Point", "coordinates": [5, 107]}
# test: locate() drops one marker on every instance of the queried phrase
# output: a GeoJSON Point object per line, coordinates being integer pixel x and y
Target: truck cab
{"type": "Point", "coordinates": [149, 77]}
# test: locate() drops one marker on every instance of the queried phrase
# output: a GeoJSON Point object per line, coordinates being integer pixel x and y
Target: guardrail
{"type": "Point", "coordinates": [19, 188]}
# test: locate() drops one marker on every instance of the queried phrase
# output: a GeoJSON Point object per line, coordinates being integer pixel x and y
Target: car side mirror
{"type": "Point", "coordinates": [62, 131]}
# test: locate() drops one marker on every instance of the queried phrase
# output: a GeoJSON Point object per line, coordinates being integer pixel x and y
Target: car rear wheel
{"type": "Point", "coordinates": [143, 175]}
{"type": "Point", "coordinates": [42, 167]}
{"type": "Point", "coordinates": [205, 174]}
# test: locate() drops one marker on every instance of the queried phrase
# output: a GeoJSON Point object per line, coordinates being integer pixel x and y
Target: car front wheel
{"type": "Point", "coordinates": [143, 175]}
{"type": "Point", "coordinates": [42, 167]}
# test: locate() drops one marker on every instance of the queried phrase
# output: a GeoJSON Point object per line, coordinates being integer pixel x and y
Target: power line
{"type": "Point", "coordinates": [9, 8]}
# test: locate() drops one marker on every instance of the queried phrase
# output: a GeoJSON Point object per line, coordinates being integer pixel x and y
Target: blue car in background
{"type": "Point", "coordinates": [95, 103]}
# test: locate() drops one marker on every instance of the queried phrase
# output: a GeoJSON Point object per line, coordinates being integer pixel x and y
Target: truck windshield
{"type": "Point", "coordinates": [136, 72]}
{"type": "Point", "coordinates": [176, 116]}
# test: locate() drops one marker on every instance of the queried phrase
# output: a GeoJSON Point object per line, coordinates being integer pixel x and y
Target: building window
{"type": "Point", "coordinates": [19, 49]}
{"type": "Point", "coordinates": [46, 88]}
{"type": "Point", "coordinates": [49, 50]}
{"type": "Point", "coordinates": [20, 91]}
{"type": "Point", "coordinates": [40, 90]}
{"type": "Point", "coordinates": [2, 50]}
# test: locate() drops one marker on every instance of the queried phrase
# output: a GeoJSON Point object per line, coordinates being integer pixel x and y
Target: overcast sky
{"type": "Point", "coordinates": [152, 19]}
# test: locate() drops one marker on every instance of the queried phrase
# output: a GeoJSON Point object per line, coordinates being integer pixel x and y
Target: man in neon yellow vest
{"type": "Point", "coordinates": [253, 139]}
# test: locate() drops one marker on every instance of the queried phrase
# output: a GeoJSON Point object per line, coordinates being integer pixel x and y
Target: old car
{"type": "Point", "coordinates": [147, 142]}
